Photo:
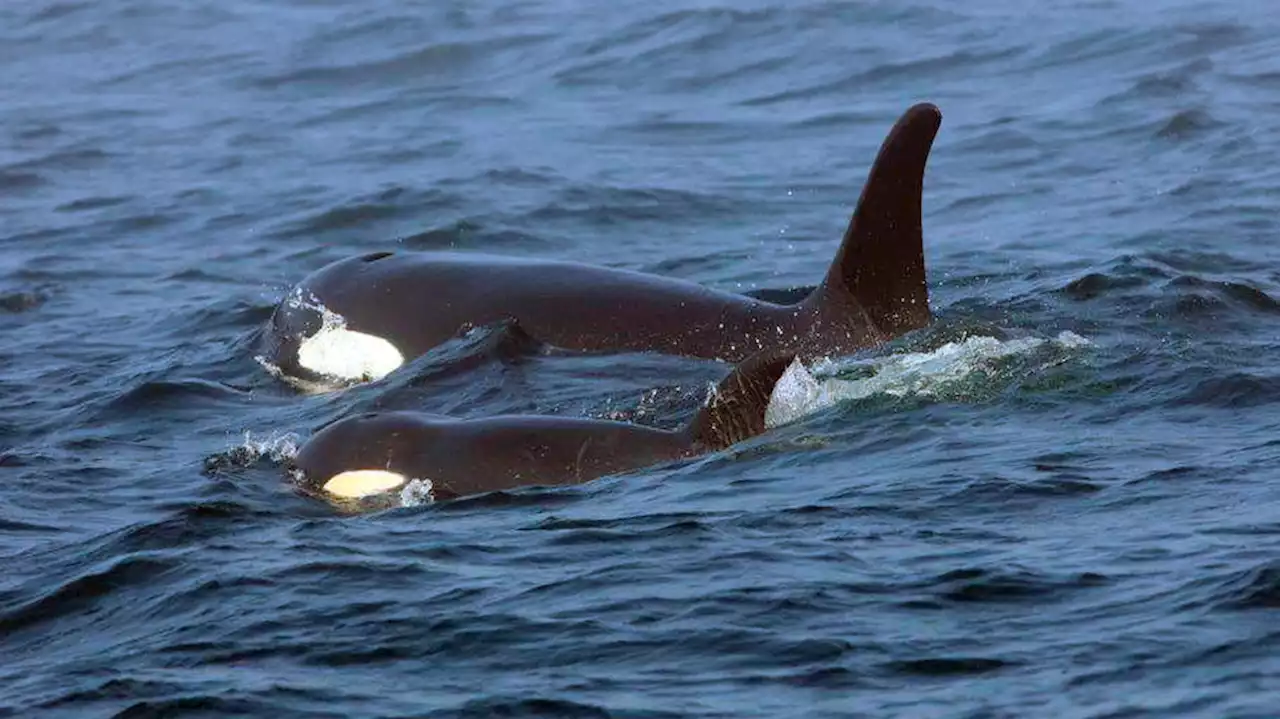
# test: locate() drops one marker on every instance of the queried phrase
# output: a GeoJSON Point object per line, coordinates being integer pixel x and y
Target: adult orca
{"type": "Point", "coordinates": [368, 457]}
{"type": "Point", "coordinates": [360, 318]}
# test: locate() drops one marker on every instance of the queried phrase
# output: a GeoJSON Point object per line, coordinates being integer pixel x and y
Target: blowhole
{"type": "Point", "coordinates": [375, 256]}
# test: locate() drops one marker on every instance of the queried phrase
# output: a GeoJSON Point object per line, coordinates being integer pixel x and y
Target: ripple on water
{"type": "Point", "coordinates": [1055, 532]}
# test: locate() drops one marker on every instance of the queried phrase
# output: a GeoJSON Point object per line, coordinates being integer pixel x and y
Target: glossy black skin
{"type": "Point", "coordinates": [875, 289]}
{"type": "Point", "coordinates": [466, 457]}
{"type": "Point", "coordinates": [563, 304]}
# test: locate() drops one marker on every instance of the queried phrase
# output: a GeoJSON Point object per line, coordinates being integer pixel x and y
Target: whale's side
{"type": "Point", "coordinates": [360, 318]}
{"type": "Point", "coordinates": [380, 455]}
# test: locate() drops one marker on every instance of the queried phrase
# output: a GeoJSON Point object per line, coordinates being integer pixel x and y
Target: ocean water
{"type": "Point", "coordinates": [1062, 499]}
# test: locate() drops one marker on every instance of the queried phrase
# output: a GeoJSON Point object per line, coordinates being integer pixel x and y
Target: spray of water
{"type": "Point", "coordinates": [802, 392]}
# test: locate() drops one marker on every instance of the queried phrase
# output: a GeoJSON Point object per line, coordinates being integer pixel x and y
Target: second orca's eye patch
{"type": "Point", "coordinates": [359, 483]}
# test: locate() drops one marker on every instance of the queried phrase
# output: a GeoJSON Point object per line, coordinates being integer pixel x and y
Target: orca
{"type": "Point", "coordinates": [360, 318]}
{"type": "Point", "coordinates": [374, 458]}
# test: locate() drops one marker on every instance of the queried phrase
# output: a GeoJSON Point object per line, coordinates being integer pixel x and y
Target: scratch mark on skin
{"type": "Point", "coordinates": [577, 465]}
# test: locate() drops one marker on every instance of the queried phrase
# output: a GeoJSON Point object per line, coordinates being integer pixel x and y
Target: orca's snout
{"type": "Point", "coordinates": [306, 341]}
{"type": "Point", "coordinates": [290, 324]}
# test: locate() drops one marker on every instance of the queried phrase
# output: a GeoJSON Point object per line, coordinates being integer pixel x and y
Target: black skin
{"type": "Point", "coordinates": [874, 291]}
{"type": "Point", "coordinates": [467, 457]}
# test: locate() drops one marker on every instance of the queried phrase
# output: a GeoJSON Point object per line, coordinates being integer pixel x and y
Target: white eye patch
{"type": "Point", "coordinates": [360, 483]}
{"type": "Point", "coordinates": [349, 355]}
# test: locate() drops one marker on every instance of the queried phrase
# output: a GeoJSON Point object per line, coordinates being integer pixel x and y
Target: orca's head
{"type": "Point", "coordinates": [292, 322]}
{"type": "Point", "coordinates": [362, 459]}
{"type": "Point", "coordinates": [306, 341]}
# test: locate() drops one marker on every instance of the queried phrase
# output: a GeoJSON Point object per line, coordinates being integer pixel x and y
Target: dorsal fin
{"type": "Point", "coordinates": [735, 411]}
{"type": "Point", "coordinates": [880, 263]}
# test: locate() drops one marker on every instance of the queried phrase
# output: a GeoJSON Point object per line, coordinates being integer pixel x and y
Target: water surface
{"type": "Point", "coordinates": [1083, 533]}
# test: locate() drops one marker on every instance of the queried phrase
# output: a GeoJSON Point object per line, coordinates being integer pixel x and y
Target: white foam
{"type": "Point", "coordinates": [417, 493]}
{"type": "Point", "coordinates": [800, 392]}
{"type": "Point", "coordinates": [277, 448]}
{"type": "Point", "coordinates": [301, 384]}
{"type": "Point", "coordinates": [796, 394]}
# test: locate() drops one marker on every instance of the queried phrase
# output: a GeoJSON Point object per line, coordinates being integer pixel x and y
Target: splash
{"type": "Point", "coordinates": [275, 448]}
{"type": "Point", "coordinates": [417, 493]}
{"type": "Point", "coordinates": [945, 371]}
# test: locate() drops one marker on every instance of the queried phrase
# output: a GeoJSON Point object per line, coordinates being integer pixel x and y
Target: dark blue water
{"type": "Point", "coordinates": [1092, 537]}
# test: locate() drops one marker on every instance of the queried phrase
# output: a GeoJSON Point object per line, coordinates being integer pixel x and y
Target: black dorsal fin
{"type": "Point", "coordinates": [880, 264]}
{"type": "Point", "coordinates": [735, 411]}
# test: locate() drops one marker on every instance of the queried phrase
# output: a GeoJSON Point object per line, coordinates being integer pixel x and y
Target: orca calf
{"type": "Point", "coordinates": [384, 454]}
{"type": "Point", "coordinates": [360, 318]}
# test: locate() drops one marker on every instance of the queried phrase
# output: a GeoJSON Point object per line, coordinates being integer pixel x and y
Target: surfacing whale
{"type": "Point", "coordinates": [360, 318]}
{"type": "Point", "coordinates": [376, 457]}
